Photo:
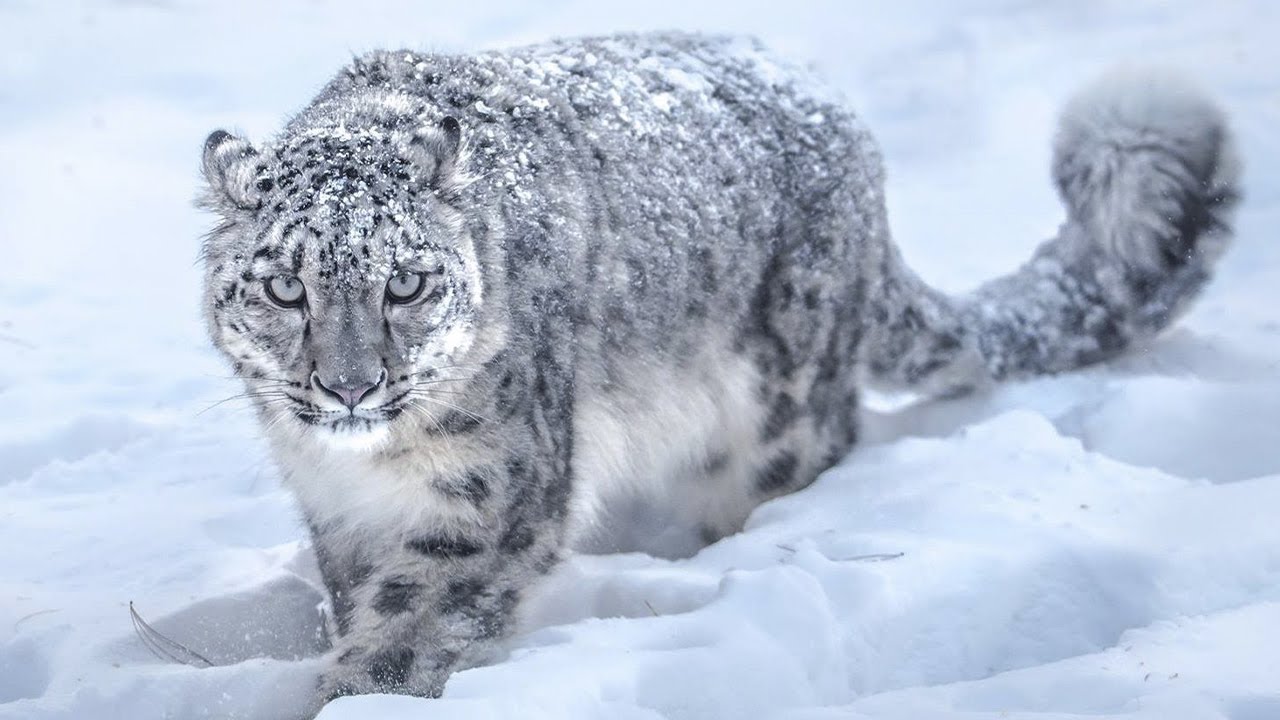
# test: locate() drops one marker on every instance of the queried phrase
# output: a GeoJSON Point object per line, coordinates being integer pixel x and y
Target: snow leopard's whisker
{"type": "Point", "coordinates": [425, 384]}
{"type": "Point", "coordinates": [238, 377]}
{"type": "Point", "coordinates": [456, 408]}
{"type": "Point", "coordinates": [280, 414]}
{"type": "Point", "coordinates": [431, 418]}
{"type": "Point", "coordinates": [451, 406]}
{"type": "Point", "coordinates": [258, 379]}
{"type": "Point", "coordinates": [432, 371]}
{"type": "Point", "coordinates": [431, 391]}
{"type": "Point", "coordinates": [264, 392]}
{"type": "Point", "coordinates": [263, 395]}
{"type": "Point", "coordinates": [432, 380]}
{"type": "Point", "coordinates": [426, 389]}
{"type": "Point", "coordinates": [462, 366]}
{"type": "Point", "coordinates": [275, 420]}
{"type": "Point", "coordinates": [426, 414]}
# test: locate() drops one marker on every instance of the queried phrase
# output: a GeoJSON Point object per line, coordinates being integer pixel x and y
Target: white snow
{"type": "Point", "coordinates": [1101, 544]}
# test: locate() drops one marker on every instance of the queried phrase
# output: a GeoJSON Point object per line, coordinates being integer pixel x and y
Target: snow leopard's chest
{"type": "Point", "coordinates": [646, 437]}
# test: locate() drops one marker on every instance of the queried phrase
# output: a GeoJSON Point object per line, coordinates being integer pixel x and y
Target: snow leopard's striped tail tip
{"type": "Point", "coordinates": [1147, 169]}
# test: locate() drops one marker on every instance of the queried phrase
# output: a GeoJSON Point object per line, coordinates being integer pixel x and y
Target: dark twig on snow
{"type": "Point", "coordinates": [164, 648]}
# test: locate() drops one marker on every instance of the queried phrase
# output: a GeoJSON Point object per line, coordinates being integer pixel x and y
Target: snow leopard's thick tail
{"type": "Point", "coordinates": [1148, 175]}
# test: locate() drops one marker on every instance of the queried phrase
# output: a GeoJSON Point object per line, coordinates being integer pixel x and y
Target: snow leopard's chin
{"type": "Point", "coordinates": [352, 433]}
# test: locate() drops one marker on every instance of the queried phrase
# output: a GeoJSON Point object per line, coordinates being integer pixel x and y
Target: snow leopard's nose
{"type": "Point", "coordinates": [349, 393]}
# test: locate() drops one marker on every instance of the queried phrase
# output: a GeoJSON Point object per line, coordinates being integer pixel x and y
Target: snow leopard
{"type": "Point", "coordinates": [479, 298]}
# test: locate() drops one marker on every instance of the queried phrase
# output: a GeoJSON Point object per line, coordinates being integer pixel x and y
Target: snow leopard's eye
{"type": "Point", "coordinates": [405, 287]}
{"type": "Point", "coordinates": [285, 290]}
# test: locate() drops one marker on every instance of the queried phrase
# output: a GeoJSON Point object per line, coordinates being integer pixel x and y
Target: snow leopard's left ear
{"type": "Point", "coordinates": [440, 154]}
{"type": "Point", "coordinates": [228, 167]}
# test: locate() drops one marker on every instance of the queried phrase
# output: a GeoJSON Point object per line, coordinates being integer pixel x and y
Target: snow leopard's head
{"type": "Point", "coordinates": [341, 282]}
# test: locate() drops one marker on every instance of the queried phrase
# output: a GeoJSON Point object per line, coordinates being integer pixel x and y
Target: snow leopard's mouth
{"type": "Point", "coordinates": [348, 419]}
{"type": "Point", "coordinates": [349, 431]}
{"type": "Point", "coordinates": [340, 421]}
{"type": "Point", "coordinates": [365, 426]}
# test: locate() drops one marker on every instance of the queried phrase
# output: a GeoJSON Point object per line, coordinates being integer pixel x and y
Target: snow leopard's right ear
{"type": "Point", "coordinates": [441, 156]}
{"type": "Point", "coordinates": [229, 169]}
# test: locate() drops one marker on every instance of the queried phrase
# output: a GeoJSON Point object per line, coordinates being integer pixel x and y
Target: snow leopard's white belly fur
{"type": "Point", "coordinates": [483, 300]}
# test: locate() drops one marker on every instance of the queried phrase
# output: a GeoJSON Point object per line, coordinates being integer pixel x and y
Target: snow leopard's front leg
{"type": "Point", "coordinates": [414, 609]}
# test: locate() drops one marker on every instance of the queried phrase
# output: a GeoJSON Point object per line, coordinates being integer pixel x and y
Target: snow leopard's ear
{"type": "Point", "coordinates": [229, 169]}
{"type": "Point", "coordinates": [440, 154]}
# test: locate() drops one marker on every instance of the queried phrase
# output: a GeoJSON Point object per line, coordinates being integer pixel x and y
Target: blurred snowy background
{"type": "Point", "coordinates": [1103, 544]}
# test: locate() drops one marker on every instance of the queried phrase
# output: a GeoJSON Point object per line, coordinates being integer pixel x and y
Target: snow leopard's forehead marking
{"type": "Point", "coordinates": [341, 202]}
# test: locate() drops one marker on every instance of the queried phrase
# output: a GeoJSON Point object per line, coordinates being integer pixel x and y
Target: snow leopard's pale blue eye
{"type": "Point", "coordinates": [285, 290]}
{"type": "Point", "coordinates": [405, 287]}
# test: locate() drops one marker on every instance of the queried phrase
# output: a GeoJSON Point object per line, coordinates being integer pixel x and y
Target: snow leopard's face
{"type": "Point", "coordinates": [340, 284]}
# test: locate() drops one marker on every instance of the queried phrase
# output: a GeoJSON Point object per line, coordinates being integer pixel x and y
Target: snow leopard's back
{"type": "Point", "coordinates": [673, 167]}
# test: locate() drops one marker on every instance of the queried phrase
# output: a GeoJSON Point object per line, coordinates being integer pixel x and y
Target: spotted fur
{"type": "Point", "coordinates": [657, 267]}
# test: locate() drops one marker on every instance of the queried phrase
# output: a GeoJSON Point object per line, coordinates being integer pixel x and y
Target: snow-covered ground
{"type": "Point", "coordinates": [1103, 544]}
